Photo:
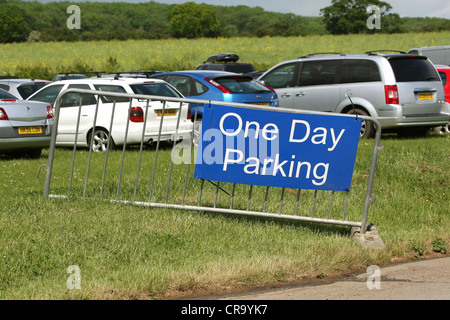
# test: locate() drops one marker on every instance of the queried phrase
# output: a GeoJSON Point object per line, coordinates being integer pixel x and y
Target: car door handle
{"type": "Point", "coordinates": [300, 94]}
{"type": "Point", "coordinates": [286, 95]}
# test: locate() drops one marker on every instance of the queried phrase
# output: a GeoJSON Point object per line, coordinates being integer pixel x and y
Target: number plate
{"type": "Point", "coordinates": [425, 96]}
{"type": "Point", "coordinates": [30, 130]}
{"type": "Point", "coordinates": [262, 103]}
{"type": "Point", "coordinates": [167, 112]}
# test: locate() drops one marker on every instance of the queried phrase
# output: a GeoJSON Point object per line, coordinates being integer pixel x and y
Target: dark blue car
{"type": "Point", "coordinates": [219, 86]}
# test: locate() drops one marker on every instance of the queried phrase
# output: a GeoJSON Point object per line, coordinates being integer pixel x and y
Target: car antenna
{"type": "Point", "coordinates": [348, 93]}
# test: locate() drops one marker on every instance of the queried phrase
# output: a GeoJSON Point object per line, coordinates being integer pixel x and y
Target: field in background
{"type": "Point", "coordinates": [42, 60]}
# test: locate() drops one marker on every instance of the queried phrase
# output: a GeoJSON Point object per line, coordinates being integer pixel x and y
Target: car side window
{"type": "Point", "coordinates": [72, 99]}
{"type": "Point", "coordinates": [443, 77]}
{"type": "Point", "coordinates": [187, 85]}
{"type": "Point", "coordinates": [319, 72]}
{"type": "Point", "coordinates": [111, 88]}
{"type": "Point", "coordinates": [48, 94]}
{"type": "Point", "coordinates": [281, 77]}
{"type": "Point", "coordinates": [4, 87]}
{"type": "Point", "coordinates": [359, 70]}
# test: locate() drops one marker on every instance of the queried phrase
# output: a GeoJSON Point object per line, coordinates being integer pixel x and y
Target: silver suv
{"type": "Point", "coordinates": [402, 91]}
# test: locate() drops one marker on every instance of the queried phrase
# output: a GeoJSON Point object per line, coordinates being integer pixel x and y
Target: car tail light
{"type": "Point", "coordinates": [136, 114]}
{"type": "Point", "coordinates": [9, 100]}
{"type": "Point", "coordinates": [217, 85]}
{"type": "Point", "coordinates": [189, 111]}
{"type": "Point", "coordinates": [3, 115]}
{"type": "Point", "coordinates": [391, 94]}
{"type": "Point", "coordinates": [49, 112]}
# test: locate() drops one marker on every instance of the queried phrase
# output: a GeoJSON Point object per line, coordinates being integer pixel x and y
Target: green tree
{"type": "Point", "coordinates": [191, 20]}
{"type": "Point", "coordinates": [350, 16]}
{"type": "Point", "coordinates": [13, 27]}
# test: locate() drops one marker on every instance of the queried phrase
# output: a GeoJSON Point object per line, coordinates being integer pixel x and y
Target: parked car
{"type": "Point", "coordinates": [96, 136]}
{"type": "Point", "coordinates": [219, 86]}
{"type": "Point", "coordinates": [437, 54]}
{"type": "Point", "coordinates": [402, 91]}
{"type": "Point", "coordinates": [226, 62]}
{"type": "Point", "coordinates": [25, 127]}
{"type": "Point", "coordinates": [444, 72]}
{"type": "Point", "coordinates": [22, 88]}
{"type": "Point", "coordinates": [134, 74]}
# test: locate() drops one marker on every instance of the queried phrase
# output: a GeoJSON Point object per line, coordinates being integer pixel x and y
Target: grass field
{"type": "Point", "coordinates": [46, 59]}
{"type": "Point", "coordinates": [132, 252]}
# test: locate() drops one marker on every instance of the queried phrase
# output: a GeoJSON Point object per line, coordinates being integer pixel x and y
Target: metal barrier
{"type": "Point", "coordinates": [155, 177]}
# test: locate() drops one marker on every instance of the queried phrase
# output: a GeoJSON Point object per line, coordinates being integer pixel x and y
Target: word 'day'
{"type": "Point", "coordinates": [277, 149]}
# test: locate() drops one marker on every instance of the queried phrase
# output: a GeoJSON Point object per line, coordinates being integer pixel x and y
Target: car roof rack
{"type": "Point", "coordinates": [222, 57]}
{"type": "Point", "coordinates": [384, 50]}
{"type": "Point", "coordinates": [321, 53]}
{"type": "Point", "coordinates": [66, 74]}
{"type": "Point", "coordinates": [8, 77]}
{"type": "Point", "coordinates": [146, 73]}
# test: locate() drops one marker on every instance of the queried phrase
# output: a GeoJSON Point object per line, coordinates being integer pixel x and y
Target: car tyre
{"type": "Point", "coordinates": [367, 128]}
{"type": "Point", "coordinates": [98, 140]}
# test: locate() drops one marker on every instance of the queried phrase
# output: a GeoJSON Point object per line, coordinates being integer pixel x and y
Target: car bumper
{"type": "Point", "coordinates": [7, 144]}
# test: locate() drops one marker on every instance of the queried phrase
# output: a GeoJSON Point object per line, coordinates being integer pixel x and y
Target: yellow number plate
{"type": "Point", "coordinates": [30, 130]}
{"type": "Point", "coordinates": [263, 104]}
{"type": "Point", "coordinates": [167, 112]}
{"type": "Point", "coordinates": [424, 96]}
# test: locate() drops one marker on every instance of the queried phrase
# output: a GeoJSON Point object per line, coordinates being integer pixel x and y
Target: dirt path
{"type": "Point", "coordinates": [421, 280]}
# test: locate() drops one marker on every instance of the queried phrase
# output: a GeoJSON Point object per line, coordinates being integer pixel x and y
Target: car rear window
{"type": "Point", "coordinates": [242, 85]}
{"type": "Point", "coordinates": [413, 69]}
{"type": "Point", "coordinates": [155, 89]}
{"type": "Point", "coordinates": [27, 90]}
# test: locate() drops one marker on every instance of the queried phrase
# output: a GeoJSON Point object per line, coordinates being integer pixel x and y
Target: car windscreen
{"type": "Point", "coordinates": [27, 90]}
{"type": "Point", "coordinates": [413, 69]}
{"type": "Point", "coordinates": [236, 84]}
{"type": "Point", "coordinates": [155, 89]}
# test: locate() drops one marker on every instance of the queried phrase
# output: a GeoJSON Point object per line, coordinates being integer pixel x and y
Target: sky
{"type": "Point", "coordinates": [405, 8]}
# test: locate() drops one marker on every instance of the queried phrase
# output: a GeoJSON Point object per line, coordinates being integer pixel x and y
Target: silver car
{"type": "Point", "coordinates": [25, 127]}
{"type": "Point", "coordinates": [22, 88]}
{"type": "Point", "coordinates": [402, 91]}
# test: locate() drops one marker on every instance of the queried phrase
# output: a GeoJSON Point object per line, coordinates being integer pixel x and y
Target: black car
{"type": "Point", "coordinates": [226, 62]}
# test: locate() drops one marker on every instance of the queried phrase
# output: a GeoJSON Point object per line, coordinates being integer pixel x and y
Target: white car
{"type": "Point", "coordinates": [99, 133]}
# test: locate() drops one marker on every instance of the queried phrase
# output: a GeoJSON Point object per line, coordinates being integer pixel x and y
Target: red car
{"type": "Point", "coordinates": [444, 72]}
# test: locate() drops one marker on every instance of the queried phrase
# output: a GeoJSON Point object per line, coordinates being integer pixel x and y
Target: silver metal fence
{"type": "Point", "coordinates": [149, 176]}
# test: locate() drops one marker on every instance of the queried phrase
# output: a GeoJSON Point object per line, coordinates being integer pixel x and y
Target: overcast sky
{"type": "Point", "coordinates": [405, 8]}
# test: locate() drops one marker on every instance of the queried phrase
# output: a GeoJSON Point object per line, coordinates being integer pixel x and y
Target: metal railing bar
{"type": "Point", "coordinates": [174, 144]}
{"type": "Point", "coordinates": [74, 148]}
{"type": "Point", "coordinates": [141, 148]}
{"type": "Point", "coordinates": [90, 148]}
{"type": "Point", "coordinates": [108, 147]}
{"type": "Point", "coordinates": [123, 149]}
{"type": "Point", "coordinates": [157, 150]}
{"type": "Point", "coordinates": [281, 200]}
{"type": "Point", "coordinates": [314, 203]}
{"type": "Point", "coordinates": [297, 201]}
{"type": "Point", "coordinates": [331, 203]}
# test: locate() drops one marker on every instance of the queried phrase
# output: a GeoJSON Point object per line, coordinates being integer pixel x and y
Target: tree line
{"type": "Point", "coordinates": [35, 21]}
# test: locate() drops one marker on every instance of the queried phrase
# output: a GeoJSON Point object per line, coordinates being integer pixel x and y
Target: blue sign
{"type": "Point", "coordinates": [277, 149]}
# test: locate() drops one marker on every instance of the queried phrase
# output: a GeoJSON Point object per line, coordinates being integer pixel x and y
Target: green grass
{"type": "Point", "coordinates": [44, 59]}
{"type": "Point", "coordinates": [132, 252]}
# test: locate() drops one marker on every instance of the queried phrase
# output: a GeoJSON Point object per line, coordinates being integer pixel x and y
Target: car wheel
{"type": "Point", "coordinates": [99, 140]}
{"type": "Point", "coordinates": [442, 129]}
{"type": "Point", "coordinates": [367, 128]}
